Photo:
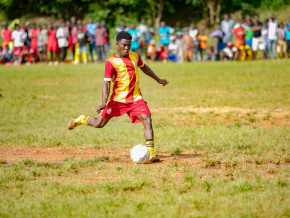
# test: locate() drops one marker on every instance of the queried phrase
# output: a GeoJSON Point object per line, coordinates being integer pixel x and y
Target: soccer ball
{"type": "Point", "coordinates": [140, 154]}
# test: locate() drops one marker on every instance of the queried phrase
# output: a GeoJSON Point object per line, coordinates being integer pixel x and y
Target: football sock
{"type": "Point", "coordinates": [150, 146]}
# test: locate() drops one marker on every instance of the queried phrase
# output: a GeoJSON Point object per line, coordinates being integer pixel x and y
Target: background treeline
{"type": "Point", "coordinates": [175, 12]}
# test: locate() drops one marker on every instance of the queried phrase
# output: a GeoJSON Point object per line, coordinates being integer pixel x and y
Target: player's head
{"type": "Point", "coordinates": [123, 42]}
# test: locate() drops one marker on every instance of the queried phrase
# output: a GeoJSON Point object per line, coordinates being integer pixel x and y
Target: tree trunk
{"type": "Point", "coordinates": [210, 5]}
{"type": "Point", "coordinates": [160, 7]}
{"type": "Point", "coordinates": [218, 12]}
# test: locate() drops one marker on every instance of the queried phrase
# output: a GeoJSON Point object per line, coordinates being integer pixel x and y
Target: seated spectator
{"type": "Point", "coordinates": [6, 55]}
{"type": "Point", "coordinates": [230, 52]}
{"type": "Point", "coordinates": [211, 55]}
{"type": "Point", "coordinates": [245, 52]}
{"type": "Point", "coordinates": [162, 53]}
{"type": "Point", "coordinates": [281, 43]}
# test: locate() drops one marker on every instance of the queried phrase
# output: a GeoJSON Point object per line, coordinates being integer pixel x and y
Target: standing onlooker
{"type": "Point", "coordinates": [272, 37]}
{"type": "Point", "coordinates": [91, 27]}
{"type": "Point", "coordinates": [227, 25]}
{"type": "Point", "coordinates": [33, 34]}
{"type": "Point", "coordinates": [122, 27]}
{"type": "Point", "coordinates": [44, 39]}
{"type": "Point", "coordinates": [18, 36]}
{"type": "Point", "coordinates": [281, 43]}
{"type": "Point", "coordinates": [257, 41]}
{"type": "Point", "coordinates": [6, 34]}
{"type": "Point", "coordinates": [165, 32]}
{"type": "Point", "coordinates": [101, 38]}
{"type": "Point", "coordinates": [264, 36]}
{"type": "Point", "coordinates": [52, 46]}
{"type": "Point", "coordinates": [73, 33]}
{"type": "Point", "coordinates": [287, 33]}
{"type": "Point", "coordinates": [180, 47]}
{"type": "Point", "coordinates": [62, 36]}
{"type": "Point", "coordinates": [218, 33]}
{"type": "Point", "coordinates": [193, 32]}
{"type": "Point", "coordinates": [135, 36]}
{"type": "Point", "coordinates": [188, 42]}
{"type": "Point", "coordinates": [202, 38]}
{"type": "Point", "coordinates": [82, 39]}
{"type": "Point", "coordinates": [107, 45]}
{"type": "Point", "coordinates": [249, 34]}
{"type": "Point", "coordinates": [239, 31]}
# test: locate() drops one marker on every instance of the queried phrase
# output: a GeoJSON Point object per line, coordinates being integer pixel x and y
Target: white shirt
{"type": "Point", "coordinates": [272, 30]}
{"type": "Point", "coordinates": [172, 47]}
{"type": "Point", "coordinates": [193, 33]}
{"type": "Point", "coordinates": [18, 37]}
{"type": "Point", "coordinates": [62, 35]}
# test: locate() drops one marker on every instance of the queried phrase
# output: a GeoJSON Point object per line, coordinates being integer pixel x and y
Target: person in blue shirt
{"type": "Point", "coordinates": [91, 27]}
{"type": "Point", "coordinates": [165, 32]}
{"type": "Point", "coordinates": [287, 33]}
{"type": "Point", "coordinates": [135, 36]}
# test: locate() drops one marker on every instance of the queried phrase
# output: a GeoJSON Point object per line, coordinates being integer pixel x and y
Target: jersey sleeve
{"type": "Point", "coordinates": [140, 62]}
{"type": "Point", "coordinates": [109, 71]}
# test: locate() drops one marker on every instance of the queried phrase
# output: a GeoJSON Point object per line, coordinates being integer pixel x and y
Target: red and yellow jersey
{"type": "Point", "coordinates": [123, 72]}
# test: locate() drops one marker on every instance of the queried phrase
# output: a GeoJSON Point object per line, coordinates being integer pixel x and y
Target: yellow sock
{"type": "Point", "coordinates": [150, 146]}
{"type": "Point", "coordinates": [84, 120]}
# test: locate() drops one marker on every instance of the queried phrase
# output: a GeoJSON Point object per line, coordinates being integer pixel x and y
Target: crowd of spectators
{"type": "Point", "coordinates": [30, 43]}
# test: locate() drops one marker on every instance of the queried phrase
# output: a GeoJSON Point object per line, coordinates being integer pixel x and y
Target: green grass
{"type": "Point", "coordinates": [244, 164]}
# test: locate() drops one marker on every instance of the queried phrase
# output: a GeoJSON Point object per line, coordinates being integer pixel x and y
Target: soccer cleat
{"type": "Point", "coordinates": [154, 158]}
{"type": "Point", "coordinates": [76, 122]}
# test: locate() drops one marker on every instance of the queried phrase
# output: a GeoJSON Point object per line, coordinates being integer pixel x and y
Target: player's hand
{"type": "Point", "coordinates": [100, 108]}
{"type": "Point", "coordinates": [163, 81]}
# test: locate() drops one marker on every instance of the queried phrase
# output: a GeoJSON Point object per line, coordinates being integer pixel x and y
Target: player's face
{"type": "Point", "coordinates": [123, 47]}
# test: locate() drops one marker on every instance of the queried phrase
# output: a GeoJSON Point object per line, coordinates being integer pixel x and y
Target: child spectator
{"type": "Point", "coordinates": [18, 36]}
{"type": "Point", "coordinates": [172, 49]}
{"type": "Point", "coordinates": [281, 43]}
{"type": "Point", "coordinates": [202, 38]}
{"type": "Point", "coordinates": [211, 55]}
{"type": "Point", "coordinates": [135, 36]}
{"type": "Point", "coordinates": [62, 35]}
{"type": "Point", "coordinates": [101, 39]}
{"type": "Point", "coordinates": [52, 45]}
{"type": "Point", "coordinates": [162, 53]}
{"type": "Point", "coordinates": [82, 38]}
{"type": "Point", "coordinates": [44, 39]}
{"type": "Point", "coordinates": [6, 34]}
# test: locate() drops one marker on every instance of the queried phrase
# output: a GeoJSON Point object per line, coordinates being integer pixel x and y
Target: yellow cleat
{"type": "Point", "coordinates": [76, 122]}
{"type": "Point", "coordinates": [154, 158]}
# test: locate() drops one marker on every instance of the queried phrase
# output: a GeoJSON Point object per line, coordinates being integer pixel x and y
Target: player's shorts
{"type": "Point", "coordinates": [116, 109]}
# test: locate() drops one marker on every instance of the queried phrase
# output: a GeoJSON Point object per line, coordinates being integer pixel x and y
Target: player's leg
{"type": "Point", "coordinates": [97, 122]}
{"type": "Point", "coordinates": [149, 135]}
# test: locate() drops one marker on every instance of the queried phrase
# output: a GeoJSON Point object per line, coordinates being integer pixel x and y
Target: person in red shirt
{"type": "Point", "coordinates": [33, 35]}
{"type": "Point", "coordinates": [6, 35]}
{"type": "Point", "coordinates": [239, 31]}
{"type": "Point", "coordinates": [52, 45]}
{"type": "Point", "coordinates": [122, 69]}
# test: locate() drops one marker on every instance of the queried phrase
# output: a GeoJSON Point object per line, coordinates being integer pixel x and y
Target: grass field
{"type": "Point", "coordinates": [223, 130]}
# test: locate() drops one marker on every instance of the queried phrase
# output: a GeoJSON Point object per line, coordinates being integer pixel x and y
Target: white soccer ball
{"type": "Point", "coordinates": [140, 154]}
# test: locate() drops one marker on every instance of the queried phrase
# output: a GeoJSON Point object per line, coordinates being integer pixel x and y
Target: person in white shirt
{"type": "Point", "coordinates": [62, 36]}
{"type": "Point", "coordinates": [272, 37]}
{"type": "Point", "coordinates": [18, 37]}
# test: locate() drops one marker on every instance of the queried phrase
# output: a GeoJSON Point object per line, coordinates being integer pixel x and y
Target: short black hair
{"type": "Point", "coordinates": [123, 35]}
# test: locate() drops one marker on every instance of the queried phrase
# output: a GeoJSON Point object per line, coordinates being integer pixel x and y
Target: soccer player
{"type": "Point", "coordinates": [122, 69]}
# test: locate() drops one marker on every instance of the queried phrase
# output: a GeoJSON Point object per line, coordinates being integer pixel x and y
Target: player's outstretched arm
{"type": "Point", "coordinates": [150, 73]}
{"type": "Point", "coordinates": [105, 95]}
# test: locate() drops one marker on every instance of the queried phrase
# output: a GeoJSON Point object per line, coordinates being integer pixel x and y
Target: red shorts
{"type": "Point", "coordinates": [116, 109]}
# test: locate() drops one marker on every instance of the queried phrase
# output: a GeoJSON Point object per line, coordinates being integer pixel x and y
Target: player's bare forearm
{"type": "Point", "coordinates": [150, 73]}
{"type": "Point", "coordinates": [105, 95]}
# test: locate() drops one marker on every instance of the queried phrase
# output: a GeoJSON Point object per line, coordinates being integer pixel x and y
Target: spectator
{"type": "Point", "coordinates": [142, 29]}
{"type": "Point", "coordinates": [272, 37]}
{"type": "Point", "coordinates": [26, 28]}
{"type": "Point", "coordinates": [18, 36]}
{"type": "Point", "coordinates": [193, 32]}
{"type": "Point", "coordinates": [281, 43]}
{"type": "Point", "coordinates": [257, 41]}
{"type": "Point", "coordinates": [165, 32]}
{"type": "Point", "coordinates": [91, 27]}
{"type": "Point", "coordinates": [218, 33]}
{"type": "Point", "coordinates": [74, 40]}
{"type": "Point", "coordinates": [245, 52]}
{"type": "Point", "coordinates": [287, 33]}
{"type": "Point", "coordinates": [239, 31]}
{"type": "Point", "coordinates": [107, 46]}
{"type": "Point", "coordinates": [227, 26]}
{"type": "Point", "coordinates": [44, 39]}
{"type": "Point", "coordinates": [52, 45]}
{"type": "Point", "coordinates": [101, 36]}
{"type": "Point", "coordinates": [230, 52]}
{"type": "Point", "coordinates": [6, 55]}
{"type": "Point", "coordinates": [211, 55]}
{"type": "Point", "coordinates": [122, 27]}
{"type": "Point", "coordinates": [151, 51]}
{"type": "Point", "coordinates": [135, 36]}
{"type": "Point", "coordinates": [162, 53]}
{"type": "Point", "coordinates": [202, 38]}
{"type": "Point", "coordinates": [62, 36]}
{"type": "Point", "coordinates": [172, 49]}
{"type": "Point", "coordinates": [188, 42]}
{"type": "Point", "coordinates": [82, 39]}
{"type": "Point", "coordinates": [33, 36]}
{"type": "Point", "coordinates": [180, 47]}
{"type": "Point", "coordinates": [6, 34]}
{"type": "Point", "coordinates": [69, 38]}
{"type": "Point", "coordinates": [249, 34]}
